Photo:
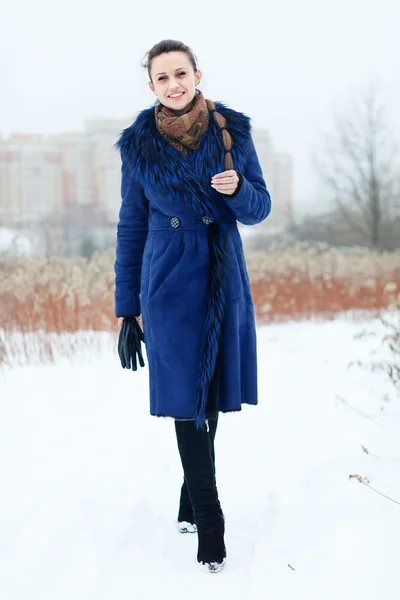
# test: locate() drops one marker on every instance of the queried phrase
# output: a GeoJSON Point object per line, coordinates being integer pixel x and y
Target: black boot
{"type": "Point", "coordinates": [185, 514]}
{"type": "Point", "coordinates": [196, 451]}
{"type": "Point", "coordinates": [185, 505]}
{"type": "Point", "coordinates": [186, 522]}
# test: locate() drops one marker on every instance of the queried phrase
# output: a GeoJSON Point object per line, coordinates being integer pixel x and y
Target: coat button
{"type": "Point", "coordinates": [175, 222]}
{"type": "Point", "coordinates": [207, 220]}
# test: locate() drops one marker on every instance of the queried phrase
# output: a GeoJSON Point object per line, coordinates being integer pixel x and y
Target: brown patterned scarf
{"type": "Point", "coordinates": [183, 132]}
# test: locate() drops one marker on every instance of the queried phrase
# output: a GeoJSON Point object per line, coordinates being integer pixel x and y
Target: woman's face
{"type": "Point", "coordinates": [174, 79]}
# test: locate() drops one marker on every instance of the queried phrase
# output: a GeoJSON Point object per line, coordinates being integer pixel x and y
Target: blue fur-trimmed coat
{"type": "Point", "coordinates": [187, 277]}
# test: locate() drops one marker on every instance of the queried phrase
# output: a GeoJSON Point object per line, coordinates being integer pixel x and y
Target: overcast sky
{"type": "Point", "coordinates": [288, 64]}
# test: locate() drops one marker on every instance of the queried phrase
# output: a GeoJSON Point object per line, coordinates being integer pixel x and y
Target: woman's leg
{"type": "Point", "coordinates": [185, 513]}
{"type": "Point", "coordinates": [196, 452]}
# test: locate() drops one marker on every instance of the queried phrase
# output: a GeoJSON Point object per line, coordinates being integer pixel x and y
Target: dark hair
{"type": "Point", "coordinates": [166, 46]}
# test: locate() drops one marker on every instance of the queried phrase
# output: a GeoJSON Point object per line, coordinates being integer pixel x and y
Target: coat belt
{"type": "Point", "coordinates": [161, 222]}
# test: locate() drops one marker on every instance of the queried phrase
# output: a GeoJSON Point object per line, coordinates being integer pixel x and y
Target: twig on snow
{"type": "Point", "coordinates": [364, 449]}
{"type": "Point", "coordinates": [362, 414]}
{"type": "Point", "coordinates": [366, 481]}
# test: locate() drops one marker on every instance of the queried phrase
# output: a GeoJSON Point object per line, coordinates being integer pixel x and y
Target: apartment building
{"type": "Point", "coordinates": [30, 179]}
{"type": "Point", "coordinates": [41, 176]}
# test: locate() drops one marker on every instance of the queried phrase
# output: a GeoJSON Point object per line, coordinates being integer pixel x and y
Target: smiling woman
{"type": "Point", "coordinates": [175, 79]}
{"type": "Point", "coordinates": [189, 172]}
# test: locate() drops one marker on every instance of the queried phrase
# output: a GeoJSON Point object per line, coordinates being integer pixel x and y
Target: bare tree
{"type": "Point", "coordinates": [361, 170]}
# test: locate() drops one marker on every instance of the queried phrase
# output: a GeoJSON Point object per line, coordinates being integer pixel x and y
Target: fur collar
{"type": "Point", "coordinates": [155, 163]}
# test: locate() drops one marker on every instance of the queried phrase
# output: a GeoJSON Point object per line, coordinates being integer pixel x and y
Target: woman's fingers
{"type": "Point", "coordinates": [230, 178]}
{"type": "Point", "coordinates": [225, 174]}
{"type": "Point", "coordinates": [225, 182]}
{"type": "Point", "coordinates": [224, 185]}
{"type": "Point", "coordinates": [140, 321]}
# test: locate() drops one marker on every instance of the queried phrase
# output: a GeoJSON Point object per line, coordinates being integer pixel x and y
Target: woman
{"type": "Point", "coordinates": [189, 173]}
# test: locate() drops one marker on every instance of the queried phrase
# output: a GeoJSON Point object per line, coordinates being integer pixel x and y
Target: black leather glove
{"type": "Point", "coordinates": [129, 344]}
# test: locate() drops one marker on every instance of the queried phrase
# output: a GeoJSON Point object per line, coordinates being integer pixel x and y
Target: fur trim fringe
{"type": "Point", "coordinates": [218, 241]}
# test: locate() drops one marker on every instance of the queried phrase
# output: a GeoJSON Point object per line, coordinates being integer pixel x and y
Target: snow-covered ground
{"type": "Point", "coordinates": [90, 482]}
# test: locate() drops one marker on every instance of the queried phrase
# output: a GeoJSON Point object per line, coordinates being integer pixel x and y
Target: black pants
{"type": "Point", "coordinates": [199, 496]}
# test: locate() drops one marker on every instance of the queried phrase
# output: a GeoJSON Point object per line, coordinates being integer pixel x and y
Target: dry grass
{"type": "Point", "coordinates": [58, 295]}
{"type": "Point", "coordinates": [387, 355]}
{"type": "Point", "coordinates": [299, 281]}
{"type": "Point", "coordinates": [288, 282]}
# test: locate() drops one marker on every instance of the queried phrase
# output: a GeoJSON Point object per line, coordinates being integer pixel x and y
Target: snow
{"type": "Point", "coordinates": [15, 243]}
{"type": "Point", "coordinates": [90, 481]}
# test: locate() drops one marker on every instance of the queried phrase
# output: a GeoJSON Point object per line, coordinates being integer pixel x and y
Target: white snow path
{"type": "Point", "coordinates": [90, 482]}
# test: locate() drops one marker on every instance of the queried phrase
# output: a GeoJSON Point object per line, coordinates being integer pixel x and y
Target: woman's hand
{"type": "Point", "coordinates": [225, 182]}
{"type": "Point", "coordinates": [138, 319]}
